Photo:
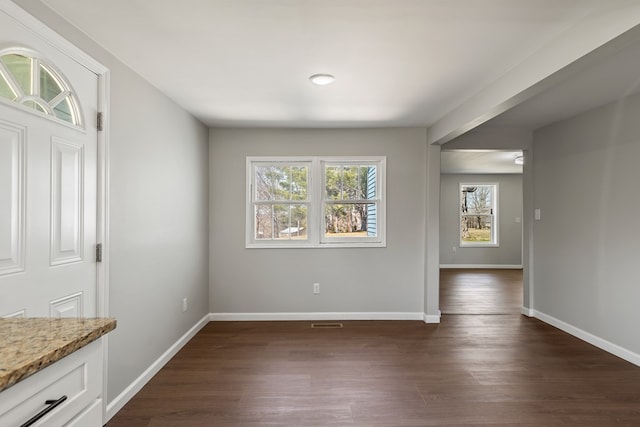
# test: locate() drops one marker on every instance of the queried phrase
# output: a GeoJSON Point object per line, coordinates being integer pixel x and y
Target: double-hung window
{"type": "Point", "coordinates": [315, 202]}
{"type": "Point", "coordinates": [478, 214]}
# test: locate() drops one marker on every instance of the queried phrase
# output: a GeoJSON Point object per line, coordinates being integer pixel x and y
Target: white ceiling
{"type": "Point", "coordinates": [613, 77]}
{"type": "Point", "coordinates": [396, 62]}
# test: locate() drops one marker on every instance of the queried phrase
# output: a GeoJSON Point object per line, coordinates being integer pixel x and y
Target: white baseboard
{"type": "Point", "coordinates": [529, 312]}
{"type": "Point", "coordinates": [492, 266]}
{"type": "Point", "coordinates": [224, 317]}
{"type": "Point", "coordinates": [118, 403]}
{"type": "Point", "coordinates": [605, 345]}
{"type": "Point", "coordinates": [432, 318]}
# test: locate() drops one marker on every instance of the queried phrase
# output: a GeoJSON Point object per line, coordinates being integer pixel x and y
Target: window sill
{"type": "Point", "coordinates": [479, 245]}
{"type": "Point", "coordinates": [328, 245]}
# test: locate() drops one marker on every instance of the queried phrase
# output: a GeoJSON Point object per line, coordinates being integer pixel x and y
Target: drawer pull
{"type": "Point", "coordinates": [52, 405]}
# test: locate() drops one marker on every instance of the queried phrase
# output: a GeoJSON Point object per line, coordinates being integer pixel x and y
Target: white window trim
{"type": "Point", "coordinates": [496, 211]}
{"type": "Point", "coordinates": [315, 224]}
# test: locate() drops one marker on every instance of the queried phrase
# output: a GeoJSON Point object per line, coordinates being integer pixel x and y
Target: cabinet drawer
{"type": "Point", "coordinates": [92, 416]}
{"type": "Point", "coordinates": [76, 376]}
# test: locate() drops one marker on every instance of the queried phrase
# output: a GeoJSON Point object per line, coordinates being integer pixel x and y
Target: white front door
{"type": "Point", "coordinates": [48, 184]}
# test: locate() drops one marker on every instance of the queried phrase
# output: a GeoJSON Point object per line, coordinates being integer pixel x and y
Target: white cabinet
{"type": "Point", "coordinates": [91, 416]}
{"type": "Point", "coordinates": [75, 381]}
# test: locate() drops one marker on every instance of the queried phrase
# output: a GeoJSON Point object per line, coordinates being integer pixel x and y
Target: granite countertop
{"type": "Point", "coordinates": [28, 345]}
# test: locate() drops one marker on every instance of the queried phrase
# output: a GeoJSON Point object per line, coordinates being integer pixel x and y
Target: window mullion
{"type": "Point", "coordinates": [316, 195]}
{"type": "Point", "coordinates": [341, 182]}
{"type": "Point", "coordinates": [291, 222]}
{"type": "Point", "coordinates": [35, 77]}
{"type": "Point", "coordinates": [351, 202]}
{"type": "Point", "coordinates": [59, 98]}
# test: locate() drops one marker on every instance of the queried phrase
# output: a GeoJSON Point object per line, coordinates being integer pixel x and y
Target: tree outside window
{"type": "Point", "coordinates": [478, 213]}
{"type": "Point", "coordinates": [350, 204]}
{"type": "Point", "coordinates": [281, 201]}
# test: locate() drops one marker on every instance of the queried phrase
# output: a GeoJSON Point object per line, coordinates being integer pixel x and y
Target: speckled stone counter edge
{"type": "Point", "coordinates": [54, 339]}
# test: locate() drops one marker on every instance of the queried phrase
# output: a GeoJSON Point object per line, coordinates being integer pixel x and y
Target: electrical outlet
{"type": "Point", "coordinates": [316, 288]}
{"type": "Point", "coordinates": [184, 304]}
{"type": "Point", "coordinates": [454, 249]}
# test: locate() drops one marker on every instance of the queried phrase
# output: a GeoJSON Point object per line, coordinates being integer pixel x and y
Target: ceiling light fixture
{"type": "Point", "coordinates": [519, 160]}
{"type": "Point", "coordinates": [322, 79]}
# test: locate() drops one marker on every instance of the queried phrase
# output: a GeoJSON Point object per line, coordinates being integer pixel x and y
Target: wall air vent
{"type": "Point", "coordinates": [332, 325]}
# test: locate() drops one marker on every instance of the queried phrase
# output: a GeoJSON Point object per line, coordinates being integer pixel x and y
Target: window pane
{"type": "Point", "coordinates": [35, 106]}
{"type": "Point", "coordinates": [5, 90]}
{"type": "Point", "coordinates": [281, 182]}
{"type": "Point", "coordinates": [268, 183]}
{"type": "Point", "coordinates": [20, 68]}
{"type": "Point", "coordinates": [333, 182]}
{"type": "Point", "coordinates": [299, 181]}
{"type": "Point", "coordinates": [371, 179]}
{"type": "Point", "coordinates": [63, 111]}
{"type": "Point", "coordinates": [372, 220]}
{"type": "Point", "coordinates": [350, 220]}
{"type": "Point", "coordinates": [351, 189]}
{"type": "Point", "coordinates": [477, 199]}
{"type": "Point", "coordinates": [264, 223]}
{"type": "Point", "coordinates": [350, 182]}
{"type": "Point", "coordinates": [281, 222]}
{"type": "Point", "coordinates": [477, 228]}
{"type": "Point", "coordinates": [49, 87]}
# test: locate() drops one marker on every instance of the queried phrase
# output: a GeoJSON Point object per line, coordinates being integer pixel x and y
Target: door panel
{"type": "Point", "coordinates": [12, 143]}
{"type": "Point", "coordinates": [67, 182]}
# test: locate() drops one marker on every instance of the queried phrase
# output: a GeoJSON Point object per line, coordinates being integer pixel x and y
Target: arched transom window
{"type": "Point", "coordinates": [28, 80]}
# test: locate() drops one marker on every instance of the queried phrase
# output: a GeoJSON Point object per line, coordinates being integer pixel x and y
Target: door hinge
{"type": "Point", "coordinates": [99, 120]}
{"type": "Point", "coordinates": [99, 252]}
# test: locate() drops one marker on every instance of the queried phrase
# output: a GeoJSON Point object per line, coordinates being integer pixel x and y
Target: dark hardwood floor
{"type": "Point", "coordinates": [480, 291]}
{"type": "Point", "coordinates": [489, 370]}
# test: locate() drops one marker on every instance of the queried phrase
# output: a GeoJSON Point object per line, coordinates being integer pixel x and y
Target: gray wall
{"type": "Point", "coordinates": [586, 242]}
{"type": "Point", "coordinates": [158, 213]}
{"type": "Point", "coordinates": [509, 253]}
{"type": "Point", "coordinates": [159, 226]}
{"type": "Point", "coordinates": [352, 280]}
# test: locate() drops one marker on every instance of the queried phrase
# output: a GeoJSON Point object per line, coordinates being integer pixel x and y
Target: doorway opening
{"type": "Point", "coordinates": [478, 277]}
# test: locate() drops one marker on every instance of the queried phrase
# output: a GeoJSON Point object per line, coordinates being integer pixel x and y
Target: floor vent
{"type": "Point", "coordinates": [326, 325]}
